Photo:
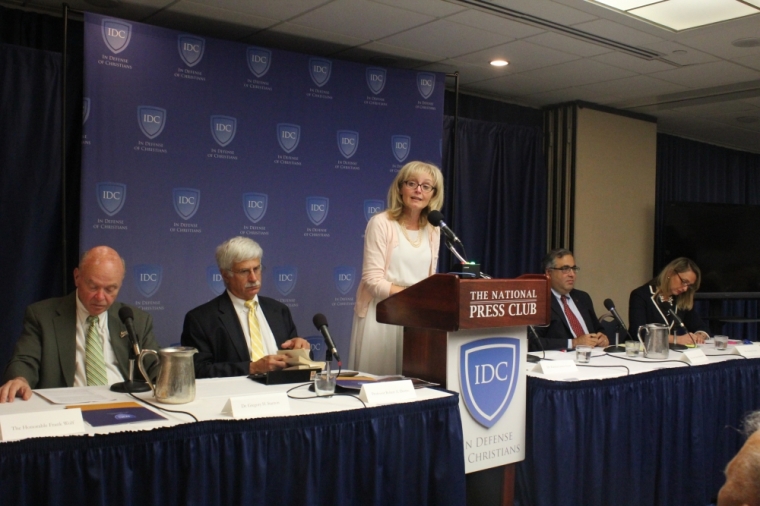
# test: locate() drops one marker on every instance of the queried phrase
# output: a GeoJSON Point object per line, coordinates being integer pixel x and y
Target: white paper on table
{"type": "Point", "coordinates": [76, 395]}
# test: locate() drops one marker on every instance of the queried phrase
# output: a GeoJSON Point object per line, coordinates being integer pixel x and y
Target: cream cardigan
{"type": "Point", "coordinates": [380, 238]}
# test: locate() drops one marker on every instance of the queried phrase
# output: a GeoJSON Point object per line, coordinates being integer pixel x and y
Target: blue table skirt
{"type": "Point", "coordinates": [401, 454]}
{"type": "Point", "coordinates": [661, 438]}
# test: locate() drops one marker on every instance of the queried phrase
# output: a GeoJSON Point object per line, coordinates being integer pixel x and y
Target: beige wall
{"type": "Point", "coordinates": [614, 205]}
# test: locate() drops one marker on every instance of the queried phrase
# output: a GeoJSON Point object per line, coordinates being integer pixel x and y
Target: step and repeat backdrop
{"type": "Point", "coordinates": [188, 141]}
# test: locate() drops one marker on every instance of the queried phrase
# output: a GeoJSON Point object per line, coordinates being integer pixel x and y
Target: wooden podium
{"type": "Point", "coordinates": [442, 316]}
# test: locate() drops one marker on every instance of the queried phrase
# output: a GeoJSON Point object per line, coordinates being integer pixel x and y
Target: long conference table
{"type": "Point", "coordinates": [659, 433]}
{"type": "Point", "coordinates": [335, 452]}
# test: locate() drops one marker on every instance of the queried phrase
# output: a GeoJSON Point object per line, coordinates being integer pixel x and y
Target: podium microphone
{"type": "Point", "coordinates": [127, 316]}
{"type": "Point", "coordinates": [436, 219]}
{"type": "Point", "coordinates": [611, 308]}
{"type": "Point", "coordinates": [676, 346]}
{"type": "Point", "coordinates": [320, 321]}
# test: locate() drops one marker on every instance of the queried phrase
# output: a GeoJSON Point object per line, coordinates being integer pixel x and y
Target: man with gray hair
{"type": "Point", "coordinates": [573, 320]}
{"type": "Point", "coordinates": [742, 487]}
{"type": "Point", "coordinates": [239, 332]}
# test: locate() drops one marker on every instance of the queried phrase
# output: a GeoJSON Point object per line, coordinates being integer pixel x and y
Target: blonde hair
{"type": "Point", "coordinates": [679, 266]}
{"type": "Point", "coordinates": [395, 201]}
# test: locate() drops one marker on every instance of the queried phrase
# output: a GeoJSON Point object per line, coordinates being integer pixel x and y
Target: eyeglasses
{"type": "Point", "coordinates": [426, 188]}
{"type": "Point", "coordinates": [684, 282]}
{"type": "Point", "coordinates": [565, 268]}
{"type": "Point", "coordinates": [244, 273]}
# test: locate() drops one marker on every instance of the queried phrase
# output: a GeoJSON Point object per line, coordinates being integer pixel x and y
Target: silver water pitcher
{"type": "Point", "coordinates": [176, 376]}
{"type": "Point", "coordinates": [655, 340]}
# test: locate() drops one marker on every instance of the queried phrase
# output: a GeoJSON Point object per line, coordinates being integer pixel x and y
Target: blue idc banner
{"type": "Point", "coordinates": [188, 141]}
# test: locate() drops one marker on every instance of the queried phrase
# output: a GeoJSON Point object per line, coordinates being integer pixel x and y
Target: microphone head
{"type": "Point", "coordinates": [435, 218]}
{"type": "Point", "coordinates": [125, 313]}
{"type": "Point", "coordinates": [609, 304]}
{"type": "Point", "coordinates": [319, 320]}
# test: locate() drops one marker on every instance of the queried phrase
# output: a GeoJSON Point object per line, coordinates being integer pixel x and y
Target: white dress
{"type": "Point", "coordinates": [378, 348]}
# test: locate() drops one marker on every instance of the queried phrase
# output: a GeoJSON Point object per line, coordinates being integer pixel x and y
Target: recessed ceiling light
{"type": "Point", "coordinates": [679, 15]}
{"type": "Point", "coordinates": [499, 63]}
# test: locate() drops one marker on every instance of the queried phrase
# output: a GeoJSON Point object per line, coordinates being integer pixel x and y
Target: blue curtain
{"type": "Point", "coordinates": [661, 438]}
{"type": "Point", "coordinates": [30, 184]}
{"type": "Point", "coordinates": [691, 171]}
{"type": "Point", "coordinates": [498, 208]}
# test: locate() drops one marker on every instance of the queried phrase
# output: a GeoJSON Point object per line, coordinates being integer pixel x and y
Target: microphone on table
{"type": "Point", "coordinates": [127, 317]}
{"type": "Point", "coordinates": [320, 321]}
{"type": "Point", "coordinates": [680, 324]}
{"type": "Point", "coordinates": [611, 308]}
{"type": "Point", "coordinates": [436, 219]}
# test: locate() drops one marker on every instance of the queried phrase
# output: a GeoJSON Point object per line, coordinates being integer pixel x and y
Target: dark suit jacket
{"type": "Point", "coordinates": [214, 330]}
{"type": "Point", "coordinates": [644, 307]}
{"type": "Point", "coordinates": [45, 353]}
{"type": "Point", "coordinates": [555, 336]}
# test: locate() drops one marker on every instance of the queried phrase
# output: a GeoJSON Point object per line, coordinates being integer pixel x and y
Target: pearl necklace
{"type": "Point", "coordinates": [416, 243]}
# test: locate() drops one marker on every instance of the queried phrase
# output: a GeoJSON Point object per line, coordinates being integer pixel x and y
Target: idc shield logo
{"type": "Point", "coordinates": [372, 207]}
{"type": "Point", "coordinates": [376, 79]}
{"type": "Point", "coordinates": [116, 34]}
{"type": "Point", "coordinates": [344, 278]}
{"type": "Point", "coordinates": [348, 142]}
{"type": "Point", "coordinates": [111, 197]}
{"type": "Point", "coordinates": [151, 120]}
{"type": "Point", "coordinates": [186, 201]}
{"type": "Point", "coordinates": [85, 109]}
{"type": "Point", "coordinates": [285, 278]}
{"type": "Point", "coordinates": [401, 145]}
{"type": "Point", "coordinates": [223, 129]}
{"type": "Point", "coordinates": [191, 49]}
{"type": "Point", "coordinates": [214, 279]}
{"type": "Point", "coordinates": [255, 206]}
{"type": "Point", "coordinates": [288, 136]}
{"type": "Point", "coordinates": [488, 372]}
{"type": "Point", "coordinates": [319, 70]}
{"type": "Point", "coordinates": [316, 208]}
{"type": "Point", "coordinates": [148, 279]}
{"type": "Point", "coordinates": [259, 60]}
{"type": "Point", "coordinates": [425, 84]}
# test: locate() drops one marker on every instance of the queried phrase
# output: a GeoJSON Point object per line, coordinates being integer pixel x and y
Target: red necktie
{"type": "Point", "coordinates": [571, 318]}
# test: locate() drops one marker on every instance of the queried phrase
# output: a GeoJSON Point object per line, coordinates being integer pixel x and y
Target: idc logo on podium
{"type": "Point", "coordinates": [488, 373]}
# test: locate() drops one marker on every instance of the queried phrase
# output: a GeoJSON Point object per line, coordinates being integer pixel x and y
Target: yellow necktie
{"type": "Point", "coordinates": [257, 343]}
{"type": "Point", "coordinates": [94, 365]}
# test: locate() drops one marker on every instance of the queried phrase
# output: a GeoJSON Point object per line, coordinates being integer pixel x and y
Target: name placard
{"type": "Point", "coordinates": [256, 406]}
{"type": "Point", "coordinates": [694, 356]}
{"type": "Point", "coordinates": [388, 392]}
{"type": "Point", "coordinates": [554, 368]}
{"type": "Point", "coordinates": [64, 422]}
{"type": "Point", "coordinates": [747, 350]}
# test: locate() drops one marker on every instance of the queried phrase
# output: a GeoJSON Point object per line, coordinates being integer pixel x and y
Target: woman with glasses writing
{"type": "Point", "coordinates": [400, 249]}
{"type": "Point", "coordinates": [672, 290]}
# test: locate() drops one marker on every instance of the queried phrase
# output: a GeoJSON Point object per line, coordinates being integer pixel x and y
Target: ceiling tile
{"type": "Point", "coordinates": [492, 23]}
{"type": "Point", "coordinates": [632, 63]}
{"type": "Point", "coordinates": [567, 44]}
{"type": "Point", "coordinates": [281, 10]}
{"type": "Point", "coordinates": [434, 8]}
{"type": "Point", "coordinates": [521, 55]}
{"type": "Point", "coordinates": [618, 33]}
{"type": "Point", "coordinates": [303, 39]}
{"type": "Point", "coordinates": [680, 54]}
{"type": "Point", "coordinates": [445, 39]}
{"type": "Point", "coordinates": [545, 9]}
{"type": "Point", "coordinates": [708, 74]}
{"type": "Point", "coordinates": [194, 17]}
{"type": "Point", "coordinates": [360, 19]}
{"type": "Point", "coordinates": [578, 72]}
{"type": "Point", "coordinates": [634, 87]}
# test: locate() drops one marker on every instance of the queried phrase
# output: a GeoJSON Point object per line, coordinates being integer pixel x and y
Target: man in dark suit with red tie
{"type": "Point", "coordinates": [573, 321]}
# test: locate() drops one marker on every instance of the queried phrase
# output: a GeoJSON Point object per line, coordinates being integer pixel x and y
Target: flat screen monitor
{"type": "Point", "coordinates": [724, 241]}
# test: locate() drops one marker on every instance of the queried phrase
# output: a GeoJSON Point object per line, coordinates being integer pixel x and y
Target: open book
{"type": "Point", "coordinates": [299, 359]}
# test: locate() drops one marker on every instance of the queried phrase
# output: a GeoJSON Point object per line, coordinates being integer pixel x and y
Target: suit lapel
{"type": "Point", "coordinates": [585, 313]}
{"type": "Point", "coordinates": [120, 347]}
{"type": "Point", "coordinates": [231, 323]}
{"type": "Point", "coordinates": [65, 324]}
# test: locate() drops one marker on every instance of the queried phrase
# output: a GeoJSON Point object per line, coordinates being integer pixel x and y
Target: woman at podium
{"type": "Point", "coordinates": [672, 291]}
{"type": "Point", "coordinates": [400, 249]}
